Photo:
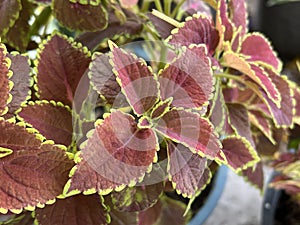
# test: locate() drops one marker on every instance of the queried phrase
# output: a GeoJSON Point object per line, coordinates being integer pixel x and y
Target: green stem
{"type": "Point", "coordinates": [40, 21]}
{"type": "Point", "coordinates": [145, 6]}
{"type": "Point", "coordinates": [158, 5]}
{"type": "Point", "coordinates": [167, 5]}
{"type": "Point", "coordinates": [176, 9]}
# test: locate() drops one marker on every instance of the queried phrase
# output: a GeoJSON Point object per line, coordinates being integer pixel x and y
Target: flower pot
{"type": "Point", "coordinates": [281, 24]}
{"type": "Point", "coordinates": [213, 197]}
{"type": "Point", "coordinates": [278, 207]}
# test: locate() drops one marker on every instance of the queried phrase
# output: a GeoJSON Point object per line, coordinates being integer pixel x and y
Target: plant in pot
{"type": "Point", "coordinates": [93, 134]}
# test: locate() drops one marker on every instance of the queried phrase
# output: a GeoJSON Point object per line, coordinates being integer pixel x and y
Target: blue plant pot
{"type": "Point", "coordinates": [213, 198]}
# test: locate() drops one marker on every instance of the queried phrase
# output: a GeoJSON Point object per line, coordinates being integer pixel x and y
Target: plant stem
{"type": "Point", "coordinates": [167, 6]}
{"type": "Point", "coordinates": [166, 18]}
{"type": "Point", "coordinates": [178, 6]}
{"type": "Point", "coordinates": [40, 21]}
{"type": "Point", "coordinates": [158, 5]}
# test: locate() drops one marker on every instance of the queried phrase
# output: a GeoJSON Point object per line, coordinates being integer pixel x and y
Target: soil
{"type": "Point", "coordinates": [288, 211]}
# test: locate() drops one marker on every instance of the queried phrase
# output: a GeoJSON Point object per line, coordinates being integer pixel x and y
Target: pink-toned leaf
{"type": "Point", "coordinates": [160, 109]}
{"type": "Point", "coordinates": [5, 74]}
{"type": "Point", "coordinates": [136, 80]}
{"type": "Point", "coordinates": [59, 61]}
{"type": "Point", "coordinates": [254, 72]}
{"type": "Point", "coordinates": [128, 3]}
{"type": "Point", "coordinates": [9, 11]}
{"type": "Point", "coordinates": [258, 119]}
{"type": "Point", "coordinates": [258, 49]}
{"type": "Point", "coordinates": [188, 80]}
{"type": "Point", "coordinates": [83, 17]}
{"type": "Point", "coordinates": [237, 95]}
{"type": "Point", "coordinates": [136, 199]}
{"type": "Point", "coordinates": [218, 110]}
{"type": "Point", "coordinates": [52, 120]}
{"type": "Point", "coordinates": [224, 25]}
{"type": "Point", "coordinates": [22, 82]}
{"type": "Point", "coordinates": [198, 29]}
{"type": "Point", "coordinates": [171, 213]}
{"type": "Point", "coordinates": [239, 153]}
{"type": "Point", "coordinates": [187, 170]}
{"type": "Point", "coordinates": [117, 146]}
{"type": "Point", "coordinates": [193, 6]}
{"type": "Point", "coordinates": [104, 80]}
{"type": "Point", "coordinates": [238, 15]}
{"type": "Point", "coordinates": [283, 116]}
{"type": "Point", "coordinates": [239, 120]}
{"type": "Point", "coordinates": [18, 35]}
{"type": "Point", "coordinates": [296, 97]}
{"type": "Point", "coordinates": [255, 175]}
{"type": "Point", "coordinates": [190, 130]}
{"type": "Point", "coordinates": [32, 175]}
{"type": "Point", "coordinates": [75, 210]}
{"type": "Point", "coordinates": [162, 27]}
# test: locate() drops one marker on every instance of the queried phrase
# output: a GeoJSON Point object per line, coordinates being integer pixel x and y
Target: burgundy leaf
{"type": "Point", "coordinates": [296, 97]}
{"type": "Point", "coordinates": [160, 108]}
{"type": "Point", "coordinates": [32, 175]}
{"type": "Point", "coordinates": [255, 175]}
{"type": "Point", "coordinates": [53, 120]}
{"type": "Point", "coordinates": [237, 95]}
{"type": "Point", "coordinates": [75, 210]}
{"type": "Point", "coordinates": [136, 80]}
{"type": "Point", "coordinates": [9, 12]}
{"type": "Point", "coordinates": [22, 82]}
{"type": "Point", "coordinates": [239, 120]}
{"type": "Point", "coordinates": [132, 26]}
{"type": "Point", "coordinates": [104, 80]}
{"type": "Point", "coordinates": [58, 62]}
{"type": "Point", "coordinates": [190, 130]}
{"type": "Point", "coordinates": [163, 28]}
{"type": "Point", "coordinates": [239, 153]}
{"type": "Point", "coordinates": [5, 74]}
{"type": "Point", "coordinates": [117, 146]}
{"type": "Point", "coordinates": [254, 72]}
{"type": "Point", "coordinates": [262, 52]}
{"type": "Point", "coordinates": [170, 213]}
{"type": "Point", "coordinates": [198, 29]}
{"type": "Point", "coordinates": [224, 25]}
{"type": "Point", "coordinates": [187, 170]}
{"type": "Point", "coordinates": [18, 35]}
{"type": "Point", "coordinates": [138, 198]}
{"type": "Point", "coordinates": [218, 111]}
{"type": "Point", "coordinates": [188, 80]}
{"type": "Point", "coordinates": [258, 119]}
{"type": "Point", "coordinates": [238, 15]}
{"type": "Point", "coordinates": [77, 16]}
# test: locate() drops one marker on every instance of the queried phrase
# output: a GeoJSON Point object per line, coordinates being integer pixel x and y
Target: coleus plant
{"type": "Point", "coordinates": [215, 91]}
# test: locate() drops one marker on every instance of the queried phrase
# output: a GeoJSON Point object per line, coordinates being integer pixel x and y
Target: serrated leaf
{"type": "Point", "coordinates": [258, 119]}
{"type": "Point", "coordinates": [188, 80]}
{"type": "Point", "coordinates": [5, 74]}
{"type": "Point", "coordinates": [238, 15]}
{"type": "Point", "coordinates": [32, 175]}
{"type": "Point", "coordinates": [237, 95]}
{"type": "Point", "coordinates": [162, 27]}
{"type": "Point", "coordinates": [87, 2]}
{"type": "Point", "coordinates": [254, 72]}
{"type": "Point", "coordinates": [22, 82]}
{"type": "Point", "coordinates": [75, 210]}
{"type": "Point", "coordinates": [239, 120]}
{"type": "Point", "coordinates": [52, 120]}
{"type": "Point", "coordinates": [224, 25]}
{"type": "Point", "coordinates": [218, 111]}
{"type": "Point", "coordinates": [117, 146]}
{"type": "Point", "coordinates": [131, 27]}
{"type": "Point", "coordinates": [254, 175]}
{"type": "Point", "coordinates": [171, 213]}
{"type": "Point", "coordinates": [104, 80]}
{"type": "Point", "coordinates": [138, 198]}
{"type": "Point", "coordinates": [137, 81]}
{"type": "Point", "coordinates": [9, 11]}
{"type": "Point", "coordinates": [190, 130]}
{"type": "Point", "coordinates": [296, 97]}
{"type": "Point", "coordinates": [18, 35]}
{"type": "Point", "coordinates": [82, 17]}
{"type": "Point", "coordinates": [263, 53]}
{"type": "Point", "coordinates": [239, 153]}
{"type": "Point", "coordinates": [198, 29]}
{"type": "Point", "coordinates": [58, 62]}
{"type": "Point", "coordinates": [186, 170]}
{"type": "Point", "coordinates": [160, 108]}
